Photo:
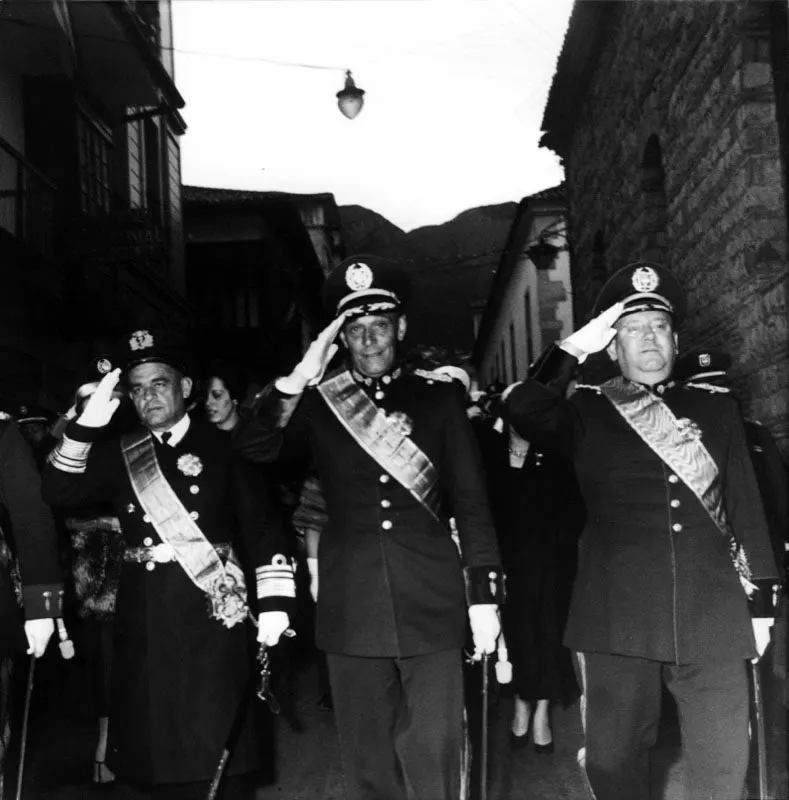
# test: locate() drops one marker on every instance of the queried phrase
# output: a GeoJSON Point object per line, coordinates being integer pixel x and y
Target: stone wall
{"type": "Point", "coordinates": [675, 157]}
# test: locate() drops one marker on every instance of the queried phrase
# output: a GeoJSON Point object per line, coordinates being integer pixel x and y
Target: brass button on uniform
{"type": "Point", "coordinates": [675, 503]}
{"type": "Point", "coordinates": [385, 503]}
{"type": "Point", "coordinates": [676, 527]}
{"type": "Point", "coordinates": [147, 541]}
{"type": "Point", "coordinates": [150, 566]}
{"type": "Point", "coordinates": [194, 489]}
{"type": "Point", "coordinates": [194, 515]}
{"type": "Point", "coordinates": [146, 518]}
{"type": "Point", "coordinates": [672, 478]}
{"type": "Point", "coordinates": [384, 478]}
{"type": "Point", "coordinates": [386, 524]}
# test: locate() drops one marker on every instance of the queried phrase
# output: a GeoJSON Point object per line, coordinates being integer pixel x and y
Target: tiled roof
{"type": "Point", "coordinates": [554, 194]}
{"type": "Point", "coordinates": [207, 194]}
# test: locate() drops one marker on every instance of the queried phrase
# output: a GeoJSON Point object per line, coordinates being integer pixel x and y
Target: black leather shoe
{"type": "Point", "coordinates": [518, 742]}
{"type": "Point", "coordinates": [543, 749]}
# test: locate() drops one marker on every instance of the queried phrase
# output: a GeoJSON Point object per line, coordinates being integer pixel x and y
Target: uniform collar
{"type": "Point", "coordinates": [385, 379]}
{"type": "Point", "coordinates": [178, 431]}
{"type": "Point", "coordinates": [657, 388]}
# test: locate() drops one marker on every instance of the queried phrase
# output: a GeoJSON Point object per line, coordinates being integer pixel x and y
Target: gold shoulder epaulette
{"type": "Point", "coordinates": [590, 386]}
{"type": "Point", "coordinates": [433, 376]}
{"type": "Point", "coordinates": [708, 387]}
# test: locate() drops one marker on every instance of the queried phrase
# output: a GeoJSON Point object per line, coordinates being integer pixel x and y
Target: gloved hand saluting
{"type": "Point", "coordinates": [101, 406]}
{"type": "Point", "coordinates": [595, 336]}
{"type": "Point", "coordinates": [485, 628]}
{"type": "Point", "coordinates": [309, 371]}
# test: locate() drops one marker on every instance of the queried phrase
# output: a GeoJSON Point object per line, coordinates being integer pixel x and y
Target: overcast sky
{"type": "Point", "coordinates": [455, 91]}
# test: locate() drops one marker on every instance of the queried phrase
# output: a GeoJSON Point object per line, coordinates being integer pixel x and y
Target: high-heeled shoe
{"type": "Point", "coordinates": [102, 774]}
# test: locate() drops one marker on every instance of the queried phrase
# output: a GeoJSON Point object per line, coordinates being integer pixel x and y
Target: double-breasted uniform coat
{"type": "Point", "coordinates": [178, 675]}
{"type": "Point", "coordinates": [391, 579]}
{"type": "Point", "coordinates": [655, 579]}
{"type": "Point", "coordinates": [28, 535]}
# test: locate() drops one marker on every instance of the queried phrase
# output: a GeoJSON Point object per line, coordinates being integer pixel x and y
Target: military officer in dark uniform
{"type": "Point", "coordinates": [675, 545]}
{"type": "Point", "coordinates": [194, 523]}
{"type": "Point", "coordinates": [397, 456]}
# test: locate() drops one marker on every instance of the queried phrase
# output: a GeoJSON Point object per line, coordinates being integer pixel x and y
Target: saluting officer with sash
{"type": "Point", "coordinates": [675, 559]}
{"type": "Point", "coordinates": [196, 523]}
{"type": "Point", "coordinates": [396, 456]}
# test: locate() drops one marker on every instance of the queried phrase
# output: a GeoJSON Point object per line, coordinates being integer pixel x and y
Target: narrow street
{"type": "Point", "coordinates": [61, 744]}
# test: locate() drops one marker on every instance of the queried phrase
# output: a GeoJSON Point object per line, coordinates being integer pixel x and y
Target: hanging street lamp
{"type": "Point", "coordinates": [350, 99]}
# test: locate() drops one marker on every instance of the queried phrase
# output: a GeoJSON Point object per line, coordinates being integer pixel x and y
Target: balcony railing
{"type": "Point", "coordinates": [27, 202]}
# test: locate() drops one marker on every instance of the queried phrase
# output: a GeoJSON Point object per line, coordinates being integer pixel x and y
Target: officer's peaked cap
{"type": "Point", "coordinates": [152, 345]}
{"type": "Point", "coordinates": [365, 284]}
{"type": "Point", "coordinates": [34, 413]}
{"type": "Point", "coordinates": [702, 364]}
{"type": "Point", "coordinates": [643, 286]}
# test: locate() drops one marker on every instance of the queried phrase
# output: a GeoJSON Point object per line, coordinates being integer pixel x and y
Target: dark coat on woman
{"type": "Point", "coordinates": [178, 675]}
{"type": "Point", "coordinates": [538, 512]}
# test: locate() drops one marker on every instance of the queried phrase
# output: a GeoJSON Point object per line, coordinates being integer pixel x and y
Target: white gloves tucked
{"type": "Point", "coordinates": [595, 336]}
{"type": "Point", "coordinates": [39, 632]}
{"type": "Point", "coordinates": [312, 566]}
{"type": "Point", "coordinates": [101, 406]}
{"type": "Point", "coordinates": [485, 628]}
{"type": "Point", "coordinates": [271, 626]}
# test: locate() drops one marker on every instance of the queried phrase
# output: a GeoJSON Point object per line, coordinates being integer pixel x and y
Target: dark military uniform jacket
{"type": "Point", "coordinates": [391, 582]}
{"type": "Point", "coordinates": [28, 539]}
{"type": "Point", "coordinates": [655, 578]}
{"type": "Point", "coordinates": [178, 675]}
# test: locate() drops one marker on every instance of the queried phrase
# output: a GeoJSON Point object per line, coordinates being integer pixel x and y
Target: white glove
{"type": "Point", "coordinates": [485, 628]}
{"type": "Point", "coordinates": [39, 632]}
{"type": "Point", "coordinates": [271, 625]}
{"type": "Point", "coordinates": [320, 352]}
{"type": "Point", "coordinates": [312, 566]}
{"type": "Point", "coordinates": [595, 336]}
{"type": "Point", "coordinates": [761, 632]}
{"type": "Point", "coordinates": [101, 406]}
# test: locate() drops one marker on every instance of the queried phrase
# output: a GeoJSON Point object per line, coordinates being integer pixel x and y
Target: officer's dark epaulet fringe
{"type": "Point", "coordinates": [433, 376]}
{"type": "Point", "coordinates": [590, 386]}
{"type": "Point", "coordinates": [709, 387]}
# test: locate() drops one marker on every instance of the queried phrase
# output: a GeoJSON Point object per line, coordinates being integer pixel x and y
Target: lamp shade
{"type": "Point", "coordinates": [542, 254]}
{"type": "Point", "coordinates": [350, 99]}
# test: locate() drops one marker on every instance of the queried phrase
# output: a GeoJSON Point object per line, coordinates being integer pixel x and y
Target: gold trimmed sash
{"type": "Point", "coordinates": [678, 443]}
{"type": "Point", "coordinates": [223, 583]}
{"type": "Point", "coordinates": [384, 438]}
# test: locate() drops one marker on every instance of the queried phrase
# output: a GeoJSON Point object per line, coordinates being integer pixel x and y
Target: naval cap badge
{"type": "Point", "coordinates": [704, 360]}
{"type": "Point", "coordinates": [645, 279]}
{"type": "Point", "coordinates": [141, 340]}
{"type": "Point", "coordinates": [358, 276]}
{"type": "Point", "coordinates": [103, 366]}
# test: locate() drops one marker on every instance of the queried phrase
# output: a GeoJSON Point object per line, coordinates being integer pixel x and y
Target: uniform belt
{"type": "Point", "coordinates": [107, 523]}
{"type": "Point", "coordinates": [162, 553]}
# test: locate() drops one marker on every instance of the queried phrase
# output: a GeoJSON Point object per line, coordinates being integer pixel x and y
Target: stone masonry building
{"type": "Point", "coordinates": [671, 120]}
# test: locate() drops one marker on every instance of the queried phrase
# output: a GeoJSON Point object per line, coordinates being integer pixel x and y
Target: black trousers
{"type": "Point", "coordinates": [400, 724]}
{"type": "Point", "coordinates": [622, 712]}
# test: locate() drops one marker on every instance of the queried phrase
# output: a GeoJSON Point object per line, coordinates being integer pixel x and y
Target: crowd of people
{"type": "Point", "coordinates": [616, 539]}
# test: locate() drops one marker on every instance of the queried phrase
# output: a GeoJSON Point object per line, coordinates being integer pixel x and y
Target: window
{"type": "Point", "coordinates": [94, 143]}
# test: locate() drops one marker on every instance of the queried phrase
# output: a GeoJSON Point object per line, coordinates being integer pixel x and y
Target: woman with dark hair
{"type": "Point", "coordinates": [225, 390]}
